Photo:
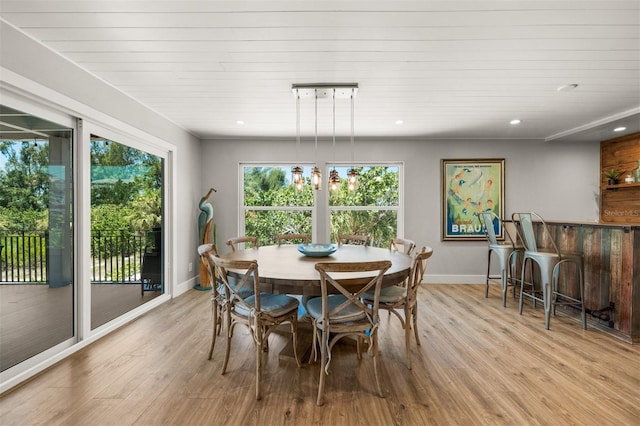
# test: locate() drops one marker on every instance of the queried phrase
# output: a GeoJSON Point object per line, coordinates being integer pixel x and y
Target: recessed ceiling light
{"type": "Point", "coordinates": [399, 121]}
{"type": "Point", "coordinates": [240, 122]}
{"type": "Point", "coordinates": [620, 129]}
{"type": "Point", "coordinates": [566, 87]}
{"type": "Point", "coordinates": [515, 121]}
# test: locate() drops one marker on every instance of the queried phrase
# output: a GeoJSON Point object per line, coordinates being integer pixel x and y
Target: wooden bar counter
{"type": "Point", "coordinates": [611, 253]}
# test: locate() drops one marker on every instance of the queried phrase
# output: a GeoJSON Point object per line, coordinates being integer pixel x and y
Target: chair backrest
{"type": "Point", "coordinates": [249, 280]}
{"type": "Point", "coordinates": [524, 226]}
{"type": "Point", "coordinates": [418, 268]}
{"type": "Point", "coordinates": [234, 242]}
{"type": "Point", "coordinates": [303, 238]}
{"type": "Point", "coordinates": [488, 226]}
{"type": "Point", "coordinates": [402, 245]}
{"type": "Point", "coordinates": [334, 277]}
{"type": "Point", "coordinates": [354, 239]}
{"type": "Point", "coordinates": [203, 251]}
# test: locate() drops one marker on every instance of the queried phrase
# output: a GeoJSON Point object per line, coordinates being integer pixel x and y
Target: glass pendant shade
{"type": "Point", "coordinates": [296, 177]}
{"type": "Point", "coordinates": [334, 180]}
{"type": "Point", "coordinates": [316, 178]}
{"type": "Point", "coordinates": [352, 179]}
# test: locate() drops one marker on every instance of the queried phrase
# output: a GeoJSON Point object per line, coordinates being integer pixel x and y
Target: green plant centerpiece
{"type": "Point", "coordinates": [613, 175]}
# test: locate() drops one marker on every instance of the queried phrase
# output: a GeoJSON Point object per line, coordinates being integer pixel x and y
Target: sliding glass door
{"type": "Point", "coordinates": [127, 255]}
{"type": "Point", "coordinates": [37, 285]}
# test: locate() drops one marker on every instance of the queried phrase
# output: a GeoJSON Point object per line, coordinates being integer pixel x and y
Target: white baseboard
{"type": "Point", "coordinates": [184, 286]}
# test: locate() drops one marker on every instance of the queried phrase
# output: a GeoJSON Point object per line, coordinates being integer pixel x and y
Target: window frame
{"type": "Point", "coordinates": [320, 206]}
{"type": "Point", "coordinates": [243, 208]}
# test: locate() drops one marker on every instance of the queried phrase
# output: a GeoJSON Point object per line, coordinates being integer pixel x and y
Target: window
{"type": "Point", "coordinates": [37, 282]}
{"type": "Point", "coordinates": [372, 209]}
{"type": "Point", "coordinates": [126, 228]}
{"type": "Point", "coordinates": [271, 205]}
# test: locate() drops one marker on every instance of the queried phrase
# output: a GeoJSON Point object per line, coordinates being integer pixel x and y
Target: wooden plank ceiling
{"type": "Point", "coordinates": [447, 69]}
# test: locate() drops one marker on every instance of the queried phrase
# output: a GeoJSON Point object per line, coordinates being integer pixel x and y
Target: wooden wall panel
{"type": "Point", "coordinates": [611, 256]}
{"type": "Point", "coordinates": [620, 203]}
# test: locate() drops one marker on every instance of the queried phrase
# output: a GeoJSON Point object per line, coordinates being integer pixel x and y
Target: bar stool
{"type": "Point", "coordinates": [507, 254]}
{"type": "Point", "coordinates": [549, 263]}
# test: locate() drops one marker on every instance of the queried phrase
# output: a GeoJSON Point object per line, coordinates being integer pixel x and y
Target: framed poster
{"type": "Point", "coordinates": [470, 187]}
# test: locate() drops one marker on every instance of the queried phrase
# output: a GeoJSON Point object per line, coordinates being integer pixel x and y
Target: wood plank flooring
{"type": "Point", "coordinates": [479, 364]}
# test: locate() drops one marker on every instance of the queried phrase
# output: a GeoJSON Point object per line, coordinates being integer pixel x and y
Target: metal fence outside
{"type": "Point", "coordinates": [116, 256]}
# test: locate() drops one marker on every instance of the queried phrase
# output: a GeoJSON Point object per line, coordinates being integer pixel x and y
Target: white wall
{"type": "Point", "coordinates": [558, 180]}
{"type": "Point", "coordinates": [82, 94]}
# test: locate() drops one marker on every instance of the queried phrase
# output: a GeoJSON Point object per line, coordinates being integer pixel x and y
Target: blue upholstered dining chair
{"type": "Point", "coordinates": [261, 313]}
{"type": "Point", "coordinates": [362, 240]}
{"type": "Point", "coordinates": [293, 238]}
{"type": "Point", "coordinates": [235, 242]}
{"type": "Point", "coordinates": [405, 298]}
{"type": "Point", "coordinates": [402, 245]}
{"type": "Point", "coordinates": [335, 316]}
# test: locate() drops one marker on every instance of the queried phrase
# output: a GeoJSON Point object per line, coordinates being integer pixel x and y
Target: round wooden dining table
{"type": "Point", "coordinates": [284, 270]}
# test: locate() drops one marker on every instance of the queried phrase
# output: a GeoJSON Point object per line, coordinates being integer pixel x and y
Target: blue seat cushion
{"type": "Point", "coordinates": [349, 313]}
{"type": "Point", "coordinates": [387, 294]}
{"type": "Point", "coordinates": [273, 304]}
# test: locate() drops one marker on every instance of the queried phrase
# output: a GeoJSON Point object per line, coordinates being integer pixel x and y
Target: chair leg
{"type": "Point", "coordinates": [324, 347]}
{"type": "Point", "coordinates": [408, 320]}
{"type": "Point", "coordinates": [373, 339]}
{"type": "Point", "coordinates": [214, 314]}
{"type": "Point", "coordinates": [228, 339]}
{"type": "Point", "coordinates": [486, 288]}
{"type": "Point", "coordinates": [504, 280]}
{"type": "Point", "coordinates": [414, 315]}
{"type": "Point", "coordinates": [546, 296]}
{"type": "Point", "coordinates": [524, 263]}
{"type": "Point", "coordinates": [294, 331]}
{"type": "Point", "coordinates": [314, 343]}
{"type": "Point", "coordinates": [259, 338]}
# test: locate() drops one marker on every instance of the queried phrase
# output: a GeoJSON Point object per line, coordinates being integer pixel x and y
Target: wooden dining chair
{"type": "Point", "coordinates": [362, 240]}
{"type": "Point", "coordinates": [404, 298]}
{"type": "Point", "coordinates": [235, 242]}
{"type": "Point", "coordinates": [335, 316]}
{"type": "Point", "coordinates": [402, 245]}
{"type": "Point", "coordinates": [217, 299]}
{"type": "Point", "coordinates": [301, 238]}
{"type": "Point", "coordinates": [261, 313]}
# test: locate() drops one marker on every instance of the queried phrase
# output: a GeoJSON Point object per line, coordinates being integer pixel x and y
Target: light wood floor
{"type": "Point", "coordinates": [479, 364]}
{"type": "Point", "coordinates": [34, 318]}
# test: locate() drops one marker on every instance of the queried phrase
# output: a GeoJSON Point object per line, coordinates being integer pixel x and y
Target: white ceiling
{"type": "Point", "coordinates": [448, 69]}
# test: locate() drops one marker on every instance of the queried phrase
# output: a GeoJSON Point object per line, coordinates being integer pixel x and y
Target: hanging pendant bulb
{"type": "Point", "coordinates": [296, 172]}
{"type": "Point", "coordinates": [316, 176]}
{"type": "Point", "coordinates": [296, 177]}
{"type": "Point", "coordinates": [316, 179]}
{"type": "Point", "coordinates": [334, 180]}
{"type": "Point", "coordinates": [352, 179]}
{"type": "Point", "coordinates": [352, 174]}
{"type": "Point", "coordinates": [334, 177]}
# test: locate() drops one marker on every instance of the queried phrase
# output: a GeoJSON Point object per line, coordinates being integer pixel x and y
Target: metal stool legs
{"type": "Point", "coordinates": [549, 273]}
{"type": "Point", "coordinates": [507, 257]}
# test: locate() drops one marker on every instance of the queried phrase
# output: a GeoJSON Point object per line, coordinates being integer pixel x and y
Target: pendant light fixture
{"type": "Point", "coordinates": [296, 171]}
{"type": "Point", "coordinates": [352, 173]}
{"type": "Point", "coordinates": [324, 90]}
{"type": "Point", "coordinates": [316, 176]}
{"type": "Point", "coordinates": [334, 178]}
